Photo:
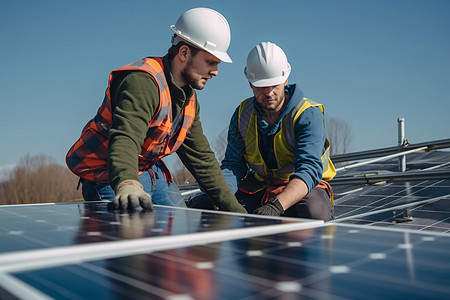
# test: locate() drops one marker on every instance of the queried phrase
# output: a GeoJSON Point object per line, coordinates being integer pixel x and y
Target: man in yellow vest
{"type": "Point", "coordinates": [150, 110]}
{"type": "Point", "coordinates": [277, 157]}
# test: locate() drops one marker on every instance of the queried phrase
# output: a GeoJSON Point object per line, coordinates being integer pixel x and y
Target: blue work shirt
{"type": "Point", "coordinates": [309, 131]}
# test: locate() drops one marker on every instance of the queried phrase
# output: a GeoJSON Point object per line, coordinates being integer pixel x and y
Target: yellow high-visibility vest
{"type": "Point", "coordinates": [284, 143]}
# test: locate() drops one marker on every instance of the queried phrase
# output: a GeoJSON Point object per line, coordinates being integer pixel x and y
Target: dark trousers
{"type": "Point", "coordinates": [316, 205]}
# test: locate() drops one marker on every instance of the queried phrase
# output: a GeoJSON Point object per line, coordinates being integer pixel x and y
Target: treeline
{"type": "Point", "coordinates": [37, 179]}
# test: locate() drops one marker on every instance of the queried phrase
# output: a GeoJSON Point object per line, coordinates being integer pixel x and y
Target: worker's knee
{"type": "Point", "coordinates": [316, 205]}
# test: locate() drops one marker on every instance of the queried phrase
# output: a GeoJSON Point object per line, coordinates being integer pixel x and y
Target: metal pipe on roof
{"type": "Point", "coordinates": [401, 143]}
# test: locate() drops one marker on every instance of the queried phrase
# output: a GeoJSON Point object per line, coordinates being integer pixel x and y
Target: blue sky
{"type": "Point", "coordinates": [368, 61]}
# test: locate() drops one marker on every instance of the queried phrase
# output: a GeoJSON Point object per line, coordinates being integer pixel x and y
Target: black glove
{"type": "Point", "coordinates": [201, 201]}
{"type": "Point", "coordinates": [272, 208]}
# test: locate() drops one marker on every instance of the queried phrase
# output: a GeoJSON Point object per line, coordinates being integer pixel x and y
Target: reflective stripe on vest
{"type": "Point", "coordinates": [284, 143]}
{"type": "Point", "coordinates": [88, 156]}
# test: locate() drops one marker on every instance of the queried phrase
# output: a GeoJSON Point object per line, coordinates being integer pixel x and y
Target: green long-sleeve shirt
{"type": "Point", "coordinates": [134, 101]}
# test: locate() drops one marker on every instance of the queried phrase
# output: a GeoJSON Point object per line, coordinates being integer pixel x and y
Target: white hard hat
{"type": "Point", "coordinates": [206, 29]}
{"type": "Point", "coordinates": [267, 65]}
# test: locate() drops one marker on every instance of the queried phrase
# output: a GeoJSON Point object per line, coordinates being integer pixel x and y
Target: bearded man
{"type": "Point", "coordinates": [150, 110]}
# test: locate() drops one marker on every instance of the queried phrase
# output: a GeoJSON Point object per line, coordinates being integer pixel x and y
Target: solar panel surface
{"type": "Point", "coordinates": [383, 203]}
{"type": "Point", "coordinates": [27, 227]}
{"type": "Point", "coordinates": [83, 251]}
{"type": "Point", "coordinates": [330, 262]}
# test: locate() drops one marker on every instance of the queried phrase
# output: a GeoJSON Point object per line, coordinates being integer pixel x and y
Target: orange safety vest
{"type": "Point", "coordinates": [87, 158]}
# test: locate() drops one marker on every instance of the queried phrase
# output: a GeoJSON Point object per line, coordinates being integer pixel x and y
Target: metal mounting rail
{"type": "Point", "coordinates": [382, 158]}
{"type": "Point", "coordinates": [392, 177]}
{"type": "Point", "coordinates": [433, 145]}
{"type": "Point", "coordinates": [188, 186]}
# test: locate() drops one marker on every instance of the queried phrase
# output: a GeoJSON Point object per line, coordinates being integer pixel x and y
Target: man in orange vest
{"type": "Point", "coordinates": [150, 110]}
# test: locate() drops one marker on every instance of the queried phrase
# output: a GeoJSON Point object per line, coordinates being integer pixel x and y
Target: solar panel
{"type": "Point", "coordinates": [424, 197]}
{"type": "Point", "coordinates": [83, 251]}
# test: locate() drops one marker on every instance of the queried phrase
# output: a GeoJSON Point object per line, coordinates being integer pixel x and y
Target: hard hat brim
{"type": "Point", "coordinates": [269, 82]}
{"type": "Point", "coordinates": [223, 56]}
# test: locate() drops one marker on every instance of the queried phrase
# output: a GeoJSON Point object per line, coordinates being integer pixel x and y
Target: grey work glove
{"type": "Point", "coordinates": [131, 196]}
{"type": "Point", "coordinates": [272, 208]}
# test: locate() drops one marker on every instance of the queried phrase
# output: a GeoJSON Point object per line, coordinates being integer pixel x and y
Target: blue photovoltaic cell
{"type": "Point", "coordinates": [334, 261]}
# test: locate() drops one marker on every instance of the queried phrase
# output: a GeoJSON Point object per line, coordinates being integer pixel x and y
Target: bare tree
{"type": "Point", "coordinates": [339, 135]}
{"type": "Point", "coordinates": [39, 180]}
